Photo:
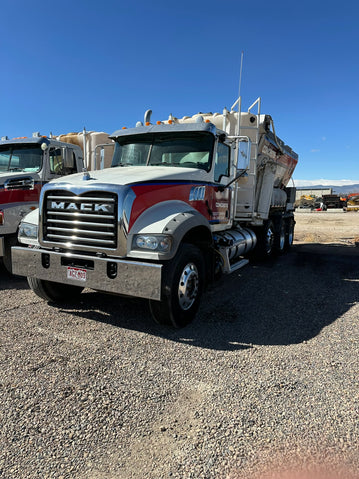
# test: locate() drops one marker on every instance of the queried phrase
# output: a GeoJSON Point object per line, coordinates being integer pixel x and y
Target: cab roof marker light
{"type": "Point", "coordinates": [158, 122]}
{"type": "Point", "coordinates": [124, 127]}
{"type": "Point", "coordinates": [19, 137]}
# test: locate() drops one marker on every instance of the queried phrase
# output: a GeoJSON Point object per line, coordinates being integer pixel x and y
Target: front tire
{"type": "Point", "coordinates": [182, 287]}
{"type": "Point", "coordinates": [53, 292]}
{"type": "Point", "coordinates": [9, 242]}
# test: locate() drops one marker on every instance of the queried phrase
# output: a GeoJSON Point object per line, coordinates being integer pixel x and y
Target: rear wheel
{"type": "Point", "coordinates": [280, 237]}
{"type": "Point", "coordinates": [53, 292]}
{"type": "Point", "coordinates": [182, 287]}
{"type": "Point", "coordinates": [265, 240]}
{"type": "Point", "coordinates": [289, 232]}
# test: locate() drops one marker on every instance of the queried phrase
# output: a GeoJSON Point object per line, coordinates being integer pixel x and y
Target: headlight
{"type": "Point", "coordinates": [27, 233]}
{"type": "Point", "coordinates": [161, 243]}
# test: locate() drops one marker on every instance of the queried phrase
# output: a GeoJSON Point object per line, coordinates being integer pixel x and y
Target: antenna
{"type": "Point", "coordinates": [239, 96]}
{"type": "Point", "coordinates": [240, 76]}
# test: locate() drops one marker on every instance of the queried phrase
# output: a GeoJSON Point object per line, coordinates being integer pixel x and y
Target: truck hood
{"type": "Point", "coordinates": [134, 174]}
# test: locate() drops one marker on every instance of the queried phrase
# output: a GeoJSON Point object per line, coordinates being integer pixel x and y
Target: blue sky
{"type": "Point", "coordinates": [71, 64]}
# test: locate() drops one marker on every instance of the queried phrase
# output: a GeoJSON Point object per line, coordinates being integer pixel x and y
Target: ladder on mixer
{"type": "Point", "coordinates": [246, 187]}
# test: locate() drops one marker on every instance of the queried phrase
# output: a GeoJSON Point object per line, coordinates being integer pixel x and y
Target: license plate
{"type": "Point", "coordinates": [76, 273]}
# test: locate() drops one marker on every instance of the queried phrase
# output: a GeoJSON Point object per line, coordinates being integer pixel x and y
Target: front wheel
{"type": "Point", "coordinates": [182, 287]}
{"type": "Point", "coordinates": [8, 243]}
{"type": "Point", "coordinates": [53, 292]}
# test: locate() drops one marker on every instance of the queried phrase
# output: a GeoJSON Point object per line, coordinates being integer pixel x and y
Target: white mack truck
{"type": "Point", "coordinates": [185, 201]}
{"type": "Point", "coordinates": [26, 164]}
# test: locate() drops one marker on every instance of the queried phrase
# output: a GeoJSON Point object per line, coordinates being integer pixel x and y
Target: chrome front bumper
{"type": "Point", "coordinates": [133, 278]}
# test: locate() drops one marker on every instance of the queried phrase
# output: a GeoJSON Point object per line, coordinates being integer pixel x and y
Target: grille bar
{"type": "Point", "coordinates": [81, 198]}
{"type": "Point", "coordinates": [77, 230]}
{"type": "Point", "coordinates": [81, 215]}
{"type": "Point", "coordinates": [76, 222]}
{"type": "Point", "coordinates": [78, 240]}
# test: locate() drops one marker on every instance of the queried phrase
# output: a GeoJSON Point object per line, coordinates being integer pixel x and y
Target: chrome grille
{"type": "Point", "coordinates": [25, 183]}
{"type": "Point", "coordinates": [86, 220]}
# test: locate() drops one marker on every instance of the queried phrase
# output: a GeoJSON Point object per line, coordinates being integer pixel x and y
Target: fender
{"type": "Point", "coordinates": [175, 218]}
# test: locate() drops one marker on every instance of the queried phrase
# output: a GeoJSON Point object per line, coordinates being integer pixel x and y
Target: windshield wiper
{"type": "Point", "coordinates": [163, 163]}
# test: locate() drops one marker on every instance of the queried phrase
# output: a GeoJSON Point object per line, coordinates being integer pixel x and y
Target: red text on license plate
{"type": "Point", "coordinates": [76, 273]}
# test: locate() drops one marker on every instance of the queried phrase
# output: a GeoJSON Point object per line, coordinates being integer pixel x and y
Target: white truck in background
{"type": "Point", "coordinates": [26, 164]}
{"type": "Point", "coordinates": [185, 201]}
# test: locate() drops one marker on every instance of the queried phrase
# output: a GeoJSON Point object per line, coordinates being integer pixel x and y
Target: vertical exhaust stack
{"type": "Point", "coordinates": [147, 118]}
{"type": "Point", "coordinates": [84, 147]}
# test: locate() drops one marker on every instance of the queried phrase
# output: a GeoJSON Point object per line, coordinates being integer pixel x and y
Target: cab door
{"type": "Point", "coordinates": [221, 199]}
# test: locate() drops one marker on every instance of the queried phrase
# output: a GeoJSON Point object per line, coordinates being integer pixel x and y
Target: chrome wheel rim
{"type": "Point", "coordinates": [188, 286]}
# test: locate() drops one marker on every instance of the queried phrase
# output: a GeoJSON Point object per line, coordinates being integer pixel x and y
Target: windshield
{"type": "Point", "coordinates": [21, 158]}
{"type": "Point", "coordinates": [192, 150]}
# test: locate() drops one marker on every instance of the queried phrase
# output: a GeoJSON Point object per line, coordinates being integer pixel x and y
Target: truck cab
{"type": "Point", "coordinates": [26, 164]}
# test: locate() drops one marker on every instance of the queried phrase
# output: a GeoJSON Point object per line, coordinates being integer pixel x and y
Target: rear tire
{"type": "Point", "coordinates": [289, 233]}
{"type": "Point", "coordinates": [265, 241]}
{"type": "Point", "coordinates": [280, 237]}
{"type": "Point", "coordinates": [182, 287]}
{"type": "Point", "coordinates": [53, 292]}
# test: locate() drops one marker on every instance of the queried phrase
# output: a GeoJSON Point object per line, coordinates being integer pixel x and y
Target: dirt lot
{"type": "Point", "coordinates": [332, 226]}
{"type": "Point", "coordinates": [266, 375]}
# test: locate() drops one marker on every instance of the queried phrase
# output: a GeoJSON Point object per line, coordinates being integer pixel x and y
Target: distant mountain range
{"type": "Point", "coordinates": [337, 190]}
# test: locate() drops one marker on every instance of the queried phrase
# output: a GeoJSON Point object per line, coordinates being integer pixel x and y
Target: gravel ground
{"type": "Point", "coordinates": [265, 376]}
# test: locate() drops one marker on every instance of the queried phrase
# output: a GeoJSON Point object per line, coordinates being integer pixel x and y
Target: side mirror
{"type": "Point", "coordinates": [69, 165]}
{"type": "Point", "coordinates": [67, 154]}
{"type": "Point", "coordinates": [244, 153]}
